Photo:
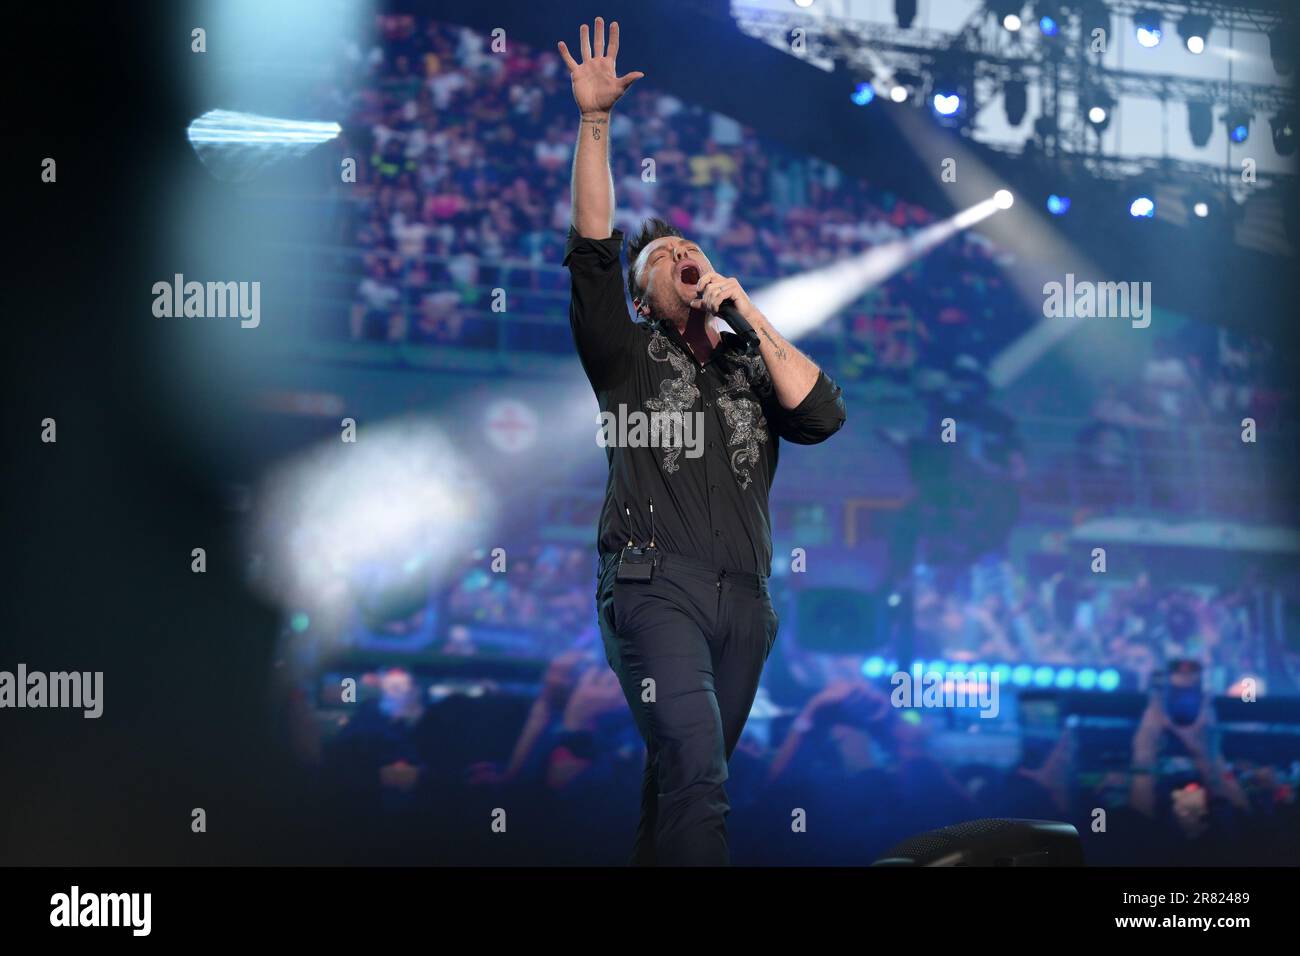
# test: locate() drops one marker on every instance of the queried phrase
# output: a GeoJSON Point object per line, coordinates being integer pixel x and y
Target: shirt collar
{"type": "Point", "coordinates": [728, 342]}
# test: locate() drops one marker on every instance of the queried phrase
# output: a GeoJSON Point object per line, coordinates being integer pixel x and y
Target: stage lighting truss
{"type": "Point", "coordinates": [1200, 122]}
{"type": "Point", "coordinates": [1094, 15]}
{"type": "Point", "coordinates": [1098, 106]}
{"type": "Point", "coordinates": [1237, 121]}
{"type": "Point", "coordinates": [1205, 209]}
{"type": "Point", "coordinates": [996, 63]}
{"type": "Point", "coordinates": [1283, 125]}
{"type": "Point", "coordinates": [904, 85]}
{"type": "Point", "coordinates": [1050, 19]}
{"type": "Point", "coordinates": [1008, 14]}
{"type": "Point", "coordinates": [1148, 27]}
{"type": "Point", "coordinates": [950, 98]}
{"type": "Point", "coordinates": [905, 13]}
{"type": "Point", "coordinates": [1194, 29]}
{"type": "Point", "coordinates": [1015, 99]}
{"type": "Point", "coordinates": [1281, 48]}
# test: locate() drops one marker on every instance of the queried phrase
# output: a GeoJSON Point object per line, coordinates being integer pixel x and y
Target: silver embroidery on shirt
{"type": "Point", "coordinates": [760, 379]}
{"type": "Point", "coordinates": [676, 395]}
{"type": "Point", "coordinates": [744, 416]}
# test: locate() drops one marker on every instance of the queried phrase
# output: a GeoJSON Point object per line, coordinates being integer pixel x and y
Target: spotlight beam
{"type": "Point", "coordinates": [801, 303]}
{"type": "Point", "coordinates": [1041, 252]}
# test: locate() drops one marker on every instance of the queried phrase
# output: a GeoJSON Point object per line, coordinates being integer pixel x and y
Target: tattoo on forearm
{"type": "Point", "coordinates": [780, 351]}
{"type": "Point", "coordinates": [595, 127]}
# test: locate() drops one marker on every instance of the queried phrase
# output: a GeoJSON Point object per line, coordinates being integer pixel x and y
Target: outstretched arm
{"type": "Point", "coordinates": [596, 88]}
{"type": "Point", "coordinates": [598, 316]}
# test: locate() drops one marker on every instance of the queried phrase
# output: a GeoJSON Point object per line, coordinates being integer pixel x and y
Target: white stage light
{"type": "Point", "coordinates": [237, 146]}
{"type": "Point", "coordinates": [324, 521]}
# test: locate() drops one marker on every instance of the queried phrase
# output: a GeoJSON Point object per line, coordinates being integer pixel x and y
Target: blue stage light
{"type": "Point", "coordinates": [1237, 120]}
{"type": "Point", "coordinates": [946, 103]}
{"type": "Point", "coordinates": [1043, 676]}
{"type": "Point", "coordinates": [1058, 205]}
{"type": "Point", "coordinates": [862, 94]}
{"type": "Point", "coordinates": [1048, 26]}
{"type": "Point", "coordinates": [1147, 26]}
{"type": "Point", "coordinates": [1148, 37]}
{"type": "Point", "coordinates": [1108, 679]}
{"type": "Point", "coordinates": [1022, 675]}
{"type": "Point", "coordinates": [1143, 207]}
{"type": "Point", "coordinates": [874, 667]}
{"type": "Point", "coordinates": [1065, 677]}
{"type": "Point", "coordinates": [1087, 679]}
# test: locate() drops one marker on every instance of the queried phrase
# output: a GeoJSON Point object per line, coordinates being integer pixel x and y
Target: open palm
{"type": "Point", "coordinates": [596, 84]}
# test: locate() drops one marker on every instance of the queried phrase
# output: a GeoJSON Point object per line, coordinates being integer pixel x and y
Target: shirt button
{"type": "Point", "coordinates": [713, 487]}
{"type": "Point", "coordinates": [710, 444]}
{"type": "Point", "coordinates": [717, 533]}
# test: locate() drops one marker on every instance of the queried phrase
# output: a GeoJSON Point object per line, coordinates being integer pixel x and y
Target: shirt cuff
{"type": "Point", "coordinates": [823, 390]}
{"type": "Point", "coordinates": [604, 250]}
{"type": "Point", "coordinates": [820, 414]}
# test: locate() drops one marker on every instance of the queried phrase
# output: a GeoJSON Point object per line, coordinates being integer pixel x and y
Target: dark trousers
{"type": "Point", "coordinates": [688, 648]}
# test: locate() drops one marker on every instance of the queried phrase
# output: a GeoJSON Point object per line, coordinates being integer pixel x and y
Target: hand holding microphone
{"type": "Point", "coordinates": [724, 297]}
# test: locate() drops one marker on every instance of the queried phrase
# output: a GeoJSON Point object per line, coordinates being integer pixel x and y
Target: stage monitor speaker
{"type": "Point", "coordinates": [991, 842]}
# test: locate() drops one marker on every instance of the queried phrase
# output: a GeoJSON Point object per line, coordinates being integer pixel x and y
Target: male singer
{"type": "Point", "coordinates": [685, 542]}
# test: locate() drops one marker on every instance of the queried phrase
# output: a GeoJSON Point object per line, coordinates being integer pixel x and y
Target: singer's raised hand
{"type": "Point", "coordinates": [596, 84]}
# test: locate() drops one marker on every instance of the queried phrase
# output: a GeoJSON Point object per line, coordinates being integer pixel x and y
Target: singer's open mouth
{"type": "Point", "coordinates": [690, 275]}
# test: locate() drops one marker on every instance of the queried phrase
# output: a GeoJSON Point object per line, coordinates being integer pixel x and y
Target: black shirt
{"type": "Point", "coordinates": [710, 499]}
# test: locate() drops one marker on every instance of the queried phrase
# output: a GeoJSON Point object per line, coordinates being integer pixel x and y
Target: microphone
{"type": "Point", "coordinates": [728, 312]}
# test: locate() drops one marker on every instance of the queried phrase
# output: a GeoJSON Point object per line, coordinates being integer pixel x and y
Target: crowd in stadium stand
{"type": "Point", "coordinates": [1136, 626]}
{"type": "Point", "coordinates": [465, 168]}
{"type": "Point", "coordinates": [467, 165]}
